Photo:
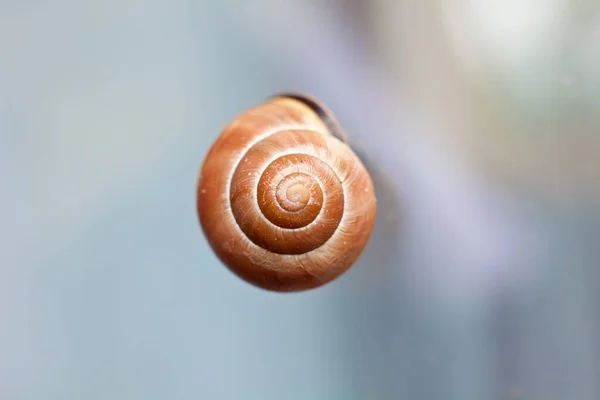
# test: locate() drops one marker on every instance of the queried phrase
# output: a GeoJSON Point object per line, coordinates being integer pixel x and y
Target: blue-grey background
{"type": "Point", "coordinates": [481, 121]}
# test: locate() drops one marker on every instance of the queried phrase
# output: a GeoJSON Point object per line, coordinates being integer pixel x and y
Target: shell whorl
{"type": "Point", "coordinates": [284, 204]}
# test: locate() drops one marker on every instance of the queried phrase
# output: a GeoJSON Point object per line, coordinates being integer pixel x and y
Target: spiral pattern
{"type": "Point", "coordinates": [291, 192]}
{"type": "Point", "coordinates": [284, 204]}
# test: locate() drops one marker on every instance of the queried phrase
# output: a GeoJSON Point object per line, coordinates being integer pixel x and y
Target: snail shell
{"type": "Point", "coordinates": [283, 201]}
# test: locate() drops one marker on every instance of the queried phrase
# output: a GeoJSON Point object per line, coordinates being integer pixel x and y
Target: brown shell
{"type": "Point", "coordinates": [282, 199]}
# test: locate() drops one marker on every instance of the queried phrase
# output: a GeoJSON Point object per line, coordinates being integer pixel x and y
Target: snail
{"type": "Point", "coordinates": [282, 199]}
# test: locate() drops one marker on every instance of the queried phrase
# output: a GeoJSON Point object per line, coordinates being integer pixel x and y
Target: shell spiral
{"type": "Point", "coordinates": [284, 204]}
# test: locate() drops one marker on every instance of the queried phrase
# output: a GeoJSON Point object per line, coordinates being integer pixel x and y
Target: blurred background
{"type": "Point", "coordinates": [481, 124]}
